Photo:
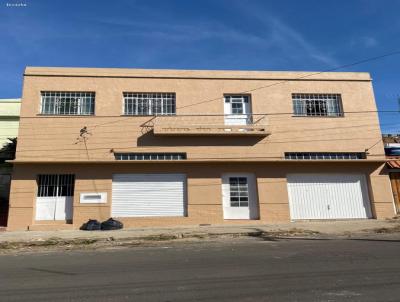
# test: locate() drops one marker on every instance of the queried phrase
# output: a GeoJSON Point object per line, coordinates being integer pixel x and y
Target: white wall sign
{"type": "Point", "coordinates": [93, 197]}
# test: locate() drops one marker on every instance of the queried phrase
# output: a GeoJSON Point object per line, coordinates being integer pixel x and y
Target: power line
{"type": "Point", "coordinates": [34, 132]}
{"type": "Point", "coordinates": [275, 84]}
{"type": "Point", "coordinates": [125, 118]}
{"type": "Point", "coordinates": [397, 52]}
{"type": "Point", "coordinates": [305, 76]}
{"type": "Point", "coordinates": [268, 140]}
{"type": "Point", "coordinates": [254, 89]}
{"type": "Point", "coordinates": [138, 148]}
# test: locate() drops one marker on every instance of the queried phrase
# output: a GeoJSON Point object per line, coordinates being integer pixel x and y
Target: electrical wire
{"type": "Point", "coordinates": [247, 91]}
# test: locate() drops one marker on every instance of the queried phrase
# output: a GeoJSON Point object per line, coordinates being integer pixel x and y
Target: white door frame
{"type": "Point", "coordinates": [249, 212]}
{"type": "Point", "coordinates": [54, 207]}
{"type": "Point", "coordinates": [243, 118]}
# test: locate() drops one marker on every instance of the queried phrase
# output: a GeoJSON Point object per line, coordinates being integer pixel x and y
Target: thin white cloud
{"type": "Point", "coordinates": [290, 41]}
{"type": "Point", "coordinates": [182, 32]}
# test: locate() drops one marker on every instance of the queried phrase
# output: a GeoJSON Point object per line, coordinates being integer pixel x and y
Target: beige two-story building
{"type": "Point", "coordinates": [184, 147]}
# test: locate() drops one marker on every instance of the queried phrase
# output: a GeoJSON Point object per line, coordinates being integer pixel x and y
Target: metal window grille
{"type": "Point", "coordinates": [324, 155]}
{"type": "Point", "coordinates": [150, 156]}
{"type": "Point", "coordinates": [149, 103]}
{"type": "Point", "coordinates": [317, 104]}
{"type": "Point", "coordinates": [67, 103]}
{"type": "Point", "coordinates": [51, 185]}
{"type": "Point", "coordinates": [239, 191]}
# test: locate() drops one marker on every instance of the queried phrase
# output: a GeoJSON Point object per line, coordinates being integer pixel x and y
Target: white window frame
{"type": "Point", "coordinates": [149, 99]}
{"type": "Point", "coordinates": [52, 100]}
{"type": "Point", "coordinates": [238, 189]}
{"type": "Point", "coordinates": [245, 212]}
{"type": "Point", "coordinates": [243, 118]}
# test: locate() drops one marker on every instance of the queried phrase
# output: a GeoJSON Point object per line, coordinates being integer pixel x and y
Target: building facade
{"type": "Point", "coordinates": [9, 121]}
{"type": "Point", "coordinates": [181, 147]}
{"type": "Point", "coordinates": [392, 150]}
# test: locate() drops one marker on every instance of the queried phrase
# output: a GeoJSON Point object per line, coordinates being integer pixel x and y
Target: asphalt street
{"type": "Point", "coordinates": [237, 270]}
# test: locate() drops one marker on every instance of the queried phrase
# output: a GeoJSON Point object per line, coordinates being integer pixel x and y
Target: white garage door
{"type": "Point", "coordinates": [143, 195]}
{"type": "Point", "coordinates": [328, 196]}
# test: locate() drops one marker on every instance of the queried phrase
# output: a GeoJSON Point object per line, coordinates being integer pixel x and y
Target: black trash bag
{"type": "Point", "coordinates": [111, 224]}
{"type": "Point", "coordinates": [91, 225]}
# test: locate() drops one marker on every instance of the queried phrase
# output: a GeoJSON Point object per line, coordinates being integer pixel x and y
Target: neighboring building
{"type": "Point", "coordinates": [391, 144]}
{"type": "Point", "coordinates": [174, 147]}
{"type": "Point", "coordinates": [392, 151]}
{"type": "Point", "coordinates": [9, 120]}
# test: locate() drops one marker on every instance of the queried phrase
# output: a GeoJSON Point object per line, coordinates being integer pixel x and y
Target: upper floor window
{"type": "Point", "coordinates": [306, 104]}
{"type": "Point", "coordinates": [149, 103]}
{"type": "Point", "coordinates": [67, 103]}
{"type": "Point", "coordinates": [238, 104]}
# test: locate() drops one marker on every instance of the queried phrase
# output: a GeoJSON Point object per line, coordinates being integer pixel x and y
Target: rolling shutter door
{"type": "Point", "coordinates": [146, 195]}
{"type": "Point", "coordinates": [328, 196]}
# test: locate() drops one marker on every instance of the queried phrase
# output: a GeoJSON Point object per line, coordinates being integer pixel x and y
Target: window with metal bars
{"type": "Point", "coordinates": [150, 156]}
{"type": "Point", "coordinates": [238, 192]}
{"type": "Point", "coordinates": [136, 103]}
{"type": "Point", "coordinates": [325, 155]}
{"type": "Point", "coordinates": [67, 103]}
{"type": "Point", "coordinates": [312, 104]}
{"type": "Point", "coordinates": [52, 185]}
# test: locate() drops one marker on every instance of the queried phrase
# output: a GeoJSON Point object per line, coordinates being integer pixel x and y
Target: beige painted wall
{"type": "Point", "coordinates": [203, 189]}
{"type": "Point", "coordinates": [55, 138]}
{"type": "Point", "coordinates": [49, 138]}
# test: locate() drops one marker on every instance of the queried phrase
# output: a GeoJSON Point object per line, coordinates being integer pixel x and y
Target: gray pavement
{"type": "Point", "coordinates": [246, 269]}
{"type": "Point", "coordinates": [323, 227]}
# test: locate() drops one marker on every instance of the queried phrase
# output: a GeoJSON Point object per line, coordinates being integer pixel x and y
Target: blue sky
{"type": "Point", "coordinates": [201, 34]}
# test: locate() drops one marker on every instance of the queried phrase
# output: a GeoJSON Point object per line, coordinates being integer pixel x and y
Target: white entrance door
{"type": "Point", "coordinates": [239, 196]}
{"type": "Point", "coordinates": [54, 208]}
{"type": "Point", "coordinates": [237, 110]}
{"type": "Point", "coordinates": [146, 195]}
{"type": "Point", "coordinates": [54, 199]}
{"type": "Point", "coordinates": [328, 196]}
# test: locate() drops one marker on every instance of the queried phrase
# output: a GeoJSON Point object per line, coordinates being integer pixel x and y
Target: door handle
{"type": "Point", "coordinates": [329, 207]}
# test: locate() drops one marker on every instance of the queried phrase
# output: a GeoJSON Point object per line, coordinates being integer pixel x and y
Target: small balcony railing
{"type": "Point", "coordinates": [195, 125]}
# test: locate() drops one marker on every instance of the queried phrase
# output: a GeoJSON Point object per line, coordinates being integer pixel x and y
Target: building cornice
{"type": "Point", "coordinates": [196, 74]}
{"type": "Point", "coordinates": [141, 162]}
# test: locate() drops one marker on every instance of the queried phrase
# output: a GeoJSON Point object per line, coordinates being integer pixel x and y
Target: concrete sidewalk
{"type": "Point", "coordinates": [327, 228]}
